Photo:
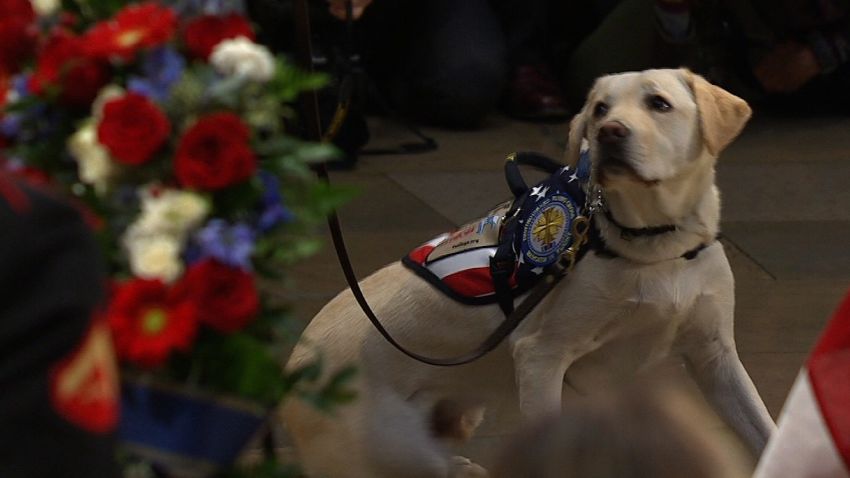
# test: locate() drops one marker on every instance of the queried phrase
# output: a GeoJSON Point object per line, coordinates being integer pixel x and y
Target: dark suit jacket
{"type": "Point", "coordinates": [58, 390]}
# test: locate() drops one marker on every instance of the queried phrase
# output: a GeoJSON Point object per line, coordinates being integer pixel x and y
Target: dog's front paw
{"type": "Point", "coordinates": [462, 467]}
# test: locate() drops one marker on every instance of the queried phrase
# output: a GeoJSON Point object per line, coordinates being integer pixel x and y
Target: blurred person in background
{"type": "Point", "coordinates": [59, 405]}
{"type": "Point", "coordinates": [790, 55]}
{"type": "Point", "coordinates": [650, 430]}
{"type": "Point", "coordinates": [443, 62]}
{"type": "Point", "coordinates": [450, 63]}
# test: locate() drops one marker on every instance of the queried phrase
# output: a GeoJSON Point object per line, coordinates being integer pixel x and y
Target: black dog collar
{"type": "Point", "coordinates": [629, 233]}
{"type": "Point", "coordinates": [598, 245]}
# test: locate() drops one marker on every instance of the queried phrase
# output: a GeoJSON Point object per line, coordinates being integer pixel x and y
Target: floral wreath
{"type": "Point", "coordinates": [169, 123]}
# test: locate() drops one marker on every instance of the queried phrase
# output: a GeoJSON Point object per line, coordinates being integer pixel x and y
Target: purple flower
{"type": "Point", "coordinates": [162, 67]}
{"type": "Point", "coordinates": [229, 244]}
{"type": "Point", "coordinates": [273, 211]}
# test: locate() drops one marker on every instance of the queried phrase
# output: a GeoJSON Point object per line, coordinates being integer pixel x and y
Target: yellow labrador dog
{"type": "Point", "coordinates": [654, 137]}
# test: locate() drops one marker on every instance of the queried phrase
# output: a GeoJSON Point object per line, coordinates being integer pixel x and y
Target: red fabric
{"type": "Point", "coordinates": [829, 373]}
{"type": "Point", "coordinates": [13, 195]}
{"type": "Point", "coordinates": [471, 282]}
{"type": "Point", "coordinates": [420, 254]}
{"type": "Point", "coordinates": [84, 385]}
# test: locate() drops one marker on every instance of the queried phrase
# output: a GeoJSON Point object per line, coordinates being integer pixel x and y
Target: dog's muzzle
{"type": "Point", "coordinates": [612, 139]}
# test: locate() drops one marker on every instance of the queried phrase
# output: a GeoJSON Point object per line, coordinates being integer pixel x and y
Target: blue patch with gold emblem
{"type": "Point", "coordinates": [546, 233]}
{"type": "Point", "coordinates": [502, 255]}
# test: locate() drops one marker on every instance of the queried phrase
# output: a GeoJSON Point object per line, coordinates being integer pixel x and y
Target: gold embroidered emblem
{"type": "Point", "coordinates": [548, 226]}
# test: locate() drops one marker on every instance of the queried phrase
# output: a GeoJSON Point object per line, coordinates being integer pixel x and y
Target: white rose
{"type": "Point", "coordinates": [95, 167]}
{"type": "Point", "coordinates": [154, 257]}
{"type": "Point", "coordinates": [242, 57]}
{"type": "Point", "coordinates": [45, 7]}
{"type": "Point", "coordinates": [170, 211]}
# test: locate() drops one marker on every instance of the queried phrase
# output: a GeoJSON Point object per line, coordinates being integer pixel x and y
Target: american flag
{"type": "Point", "coordinates": [813, 436]}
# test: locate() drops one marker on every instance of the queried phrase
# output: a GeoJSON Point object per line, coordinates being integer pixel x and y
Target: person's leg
{"type": "Point", "coordinates": [532, 92]}
{"type": "Point", "coordinates": [441, 61]}
{"type": "Point", "coordinates": [525, 24]}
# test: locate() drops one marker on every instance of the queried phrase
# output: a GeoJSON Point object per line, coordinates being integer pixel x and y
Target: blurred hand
{"type": "Point", "coordinates": [787, 68]}
{"type": "Point", "coordinates": [337, 8]}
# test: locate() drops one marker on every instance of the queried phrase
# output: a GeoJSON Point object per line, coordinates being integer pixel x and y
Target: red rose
{"type": "Point", "coordinates": [203, 33]}
{"type": "Point", "coordinates": [227, 296]}
{"type": "Point", "coordinates": [17, 34]}
{"type": "Point", "coordinates": [21, 9]}
{"type": "Point", "coordinates": [214, 153]}
{"type": "Point", "coordinates": [132, 128]}
{"type": "Point", "coordinates": [135, 27]}
{"type": "Point", "coordinates": [149, 321]}
{"type": "Point", "coordinates": [61, 64]}
{"type": "Point", "coordinates": [82, 82]}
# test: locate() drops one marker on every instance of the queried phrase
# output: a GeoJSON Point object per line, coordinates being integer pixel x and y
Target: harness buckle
{"type": "Point", "coordinates": [580, 227]}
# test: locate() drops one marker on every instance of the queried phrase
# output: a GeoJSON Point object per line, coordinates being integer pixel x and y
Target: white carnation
{"type": "Point", "coordinates": [170, 211]}
{"type": "Point", "coordinates": [95, 167]}
{"type": "Point", "coordinates": [242, 57]}
{"type": "Point", "coordinates": [155, 239]}
{"type": "Point", "coordinates": [45, 7]}
{"type": "Point", "coordinates": [154, 257]}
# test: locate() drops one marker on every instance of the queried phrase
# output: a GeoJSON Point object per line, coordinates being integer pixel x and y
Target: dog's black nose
{"type": "Point", "coordinates": [613, 132]}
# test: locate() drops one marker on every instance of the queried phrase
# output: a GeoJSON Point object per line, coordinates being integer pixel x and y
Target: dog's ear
{"type": "Point", "coordinates": [722, 115]}
{"type": "Point", "coordinates": [578, 131]}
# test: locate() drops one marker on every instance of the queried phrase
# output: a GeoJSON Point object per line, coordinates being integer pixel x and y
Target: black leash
{"type": "Point", "coordinates": [553, 274]}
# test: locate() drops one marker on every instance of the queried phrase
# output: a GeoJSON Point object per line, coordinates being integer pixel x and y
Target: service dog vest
{"type": "Point", "coordinates": [521, 237]}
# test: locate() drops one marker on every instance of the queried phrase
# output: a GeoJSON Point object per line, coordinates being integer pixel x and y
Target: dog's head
{"type": "Point", "coordinates": [646, 127]}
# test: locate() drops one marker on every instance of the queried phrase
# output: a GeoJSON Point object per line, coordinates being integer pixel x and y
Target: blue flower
{"type": "Point", "coordinates": [229, 244]}
{"type": "Point", "coordinates": [273, 211]}
{"type": "Point", "coordinates": [20, 85]}
{"type": "Point", "coordinates": [10, 123]}
{"type": "Point", "coordinates": [189, 8]}
{"type": "Point", "coordinates": [162, 67]}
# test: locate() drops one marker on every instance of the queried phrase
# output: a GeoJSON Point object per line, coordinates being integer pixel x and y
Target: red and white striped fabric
{"type": "Point", "coordinates": [466, 273]}
{"type": "Point", "coordinates": [813, 437]}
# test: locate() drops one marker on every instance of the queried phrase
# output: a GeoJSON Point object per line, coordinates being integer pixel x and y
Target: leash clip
{"type": "Point", "coordinates": [580, 227]}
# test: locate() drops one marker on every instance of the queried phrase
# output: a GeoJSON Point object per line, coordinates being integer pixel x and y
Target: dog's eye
{"type": "Point", "coordinates": [658, 103]}
{"type": "Point", "coordinates": [600, 110]}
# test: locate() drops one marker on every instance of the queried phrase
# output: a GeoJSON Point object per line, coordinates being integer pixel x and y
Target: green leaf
{"type": "Point", "coordinates": [289, 81]}
{"type": "Point", "coordinates": [297, 250]}
{"type": "Point", "coordinates": [268, 468]}
{"type": "Point", "coordinates": [325, 198]}
{"type": "Point", "coordinates": [240, 364]}
{"type": "Point", "coordinates": [317, 152]}
{"type": "Point", "coordinates": [291, 148]}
